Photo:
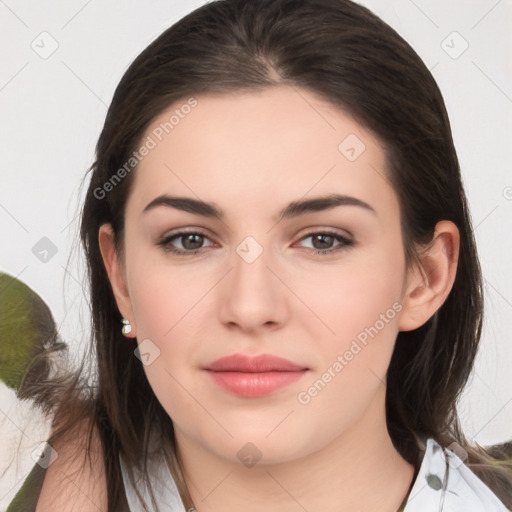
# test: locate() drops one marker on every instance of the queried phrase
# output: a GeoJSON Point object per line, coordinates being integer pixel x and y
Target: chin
{"type": "Point", "coordinates": [253, 446]}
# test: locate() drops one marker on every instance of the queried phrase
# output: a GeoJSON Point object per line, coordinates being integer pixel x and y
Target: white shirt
{"type": "Point", "coordinates": [443, 484]}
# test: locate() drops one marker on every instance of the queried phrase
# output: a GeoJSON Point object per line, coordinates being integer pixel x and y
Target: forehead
{"type": "Point", "coordinates": [279, 143]}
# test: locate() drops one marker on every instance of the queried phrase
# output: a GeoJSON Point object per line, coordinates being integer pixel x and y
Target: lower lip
{"type": "Point", "coordinates": [254, 384]}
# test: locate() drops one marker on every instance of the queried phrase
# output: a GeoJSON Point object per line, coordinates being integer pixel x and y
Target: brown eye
{"type": "Point", "coordinates": [324, 242]}
{"type": "Point", "coordinates": [191, 242]}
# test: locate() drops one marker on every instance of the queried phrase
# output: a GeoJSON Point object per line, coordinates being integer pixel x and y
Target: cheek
{"type": "Point", "coordinates": [169, 311]}
{"type": "Point", "coordinates": [361, 305]}
{"type": "Point", "coordinates": [346, 300]}
{"type": "Point", "coordinates": [363, 317]}
{"type": "Point", "coordinates": [163, 297]}
{"type": "Point", "coordinates": [161, 320]}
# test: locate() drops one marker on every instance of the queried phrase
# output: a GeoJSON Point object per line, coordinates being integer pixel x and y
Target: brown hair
{"type": "Point", "coordinates": [345, 54]}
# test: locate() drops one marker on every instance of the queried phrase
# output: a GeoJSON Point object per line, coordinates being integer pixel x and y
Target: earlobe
{"type": "Point", "coordinates": [431, 279]}
{"type": "Point", "coordinates": [116, 274]}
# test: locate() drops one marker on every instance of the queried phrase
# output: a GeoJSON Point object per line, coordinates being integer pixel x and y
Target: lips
{"type": "Point", "coordinates": [253, 364]}
{"type": "Point", "coordinates": [254, 376]}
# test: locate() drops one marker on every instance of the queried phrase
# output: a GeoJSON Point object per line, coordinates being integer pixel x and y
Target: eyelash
{"type": "Point", "coordinates": [166, 241]}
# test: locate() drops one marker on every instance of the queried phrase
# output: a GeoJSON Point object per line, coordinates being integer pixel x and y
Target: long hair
{"type": "Point", "coordinates": [345, 54]}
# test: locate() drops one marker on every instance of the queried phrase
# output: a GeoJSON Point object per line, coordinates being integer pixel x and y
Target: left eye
{"type": "Point", "coordinates": [322, 241]}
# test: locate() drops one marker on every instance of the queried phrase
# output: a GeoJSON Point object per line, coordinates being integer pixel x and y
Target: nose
{"type": "Point", "coordinates": [252, 297]}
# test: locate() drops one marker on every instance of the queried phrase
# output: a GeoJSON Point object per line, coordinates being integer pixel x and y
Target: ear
{"type": "Point", "coordinates": [116, 274]}
{"type": "Point", "coordinates": [431, 279]}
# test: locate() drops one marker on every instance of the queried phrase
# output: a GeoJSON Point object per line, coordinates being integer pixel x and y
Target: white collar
{"type": "Point", "coordinates": [443, 484]}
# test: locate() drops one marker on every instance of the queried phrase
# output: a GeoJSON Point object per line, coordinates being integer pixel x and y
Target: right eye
{"type": "Point", "coordinates": [190, 241]}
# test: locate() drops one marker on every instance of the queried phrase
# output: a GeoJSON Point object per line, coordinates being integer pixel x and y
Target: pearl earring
{"type": "Point", "coordinates": [127, 328]}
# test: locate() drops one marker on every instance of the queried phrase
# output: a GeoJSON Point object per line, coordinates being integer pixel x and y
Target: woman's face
{"type": "Point", "coordinates": [257, 285]}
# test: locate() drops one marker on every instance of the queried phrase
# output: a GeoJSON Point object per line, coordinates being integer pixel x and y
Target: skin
{"type": "Point", "coordinates": [251, 154]}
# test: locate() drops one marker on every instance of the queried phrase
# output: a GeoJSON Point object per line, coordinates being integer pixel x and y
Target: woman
{"type": "Point", "coordinates": [285, 291]}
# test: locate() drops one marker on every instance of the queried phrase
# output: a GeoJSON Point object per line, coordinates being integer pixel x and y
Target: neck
{"type": "Point", "coordinates": [359, 470]}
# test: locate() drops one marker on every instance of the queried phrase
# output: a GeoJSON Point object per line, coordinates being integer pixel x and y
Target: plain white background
{"type": "Point", "coordinates": [60, 64]}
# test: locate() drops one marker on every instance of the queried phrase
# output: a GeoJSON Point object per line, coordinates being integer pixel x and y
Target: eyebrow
{"type": "Point", "coordinates": [293, 209]}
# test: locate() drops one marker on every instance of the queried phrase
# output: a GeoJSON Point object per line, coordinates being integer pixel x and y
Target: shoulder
{"type": "Point", "coordinates": [74, 479]}
{"type": "Point", "coordinates": [445, 483]}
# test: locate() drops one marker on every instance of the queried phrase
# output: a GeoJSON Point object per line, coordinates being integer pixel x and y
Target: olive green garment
{"type": "Point", "coordinates": [26, 498]}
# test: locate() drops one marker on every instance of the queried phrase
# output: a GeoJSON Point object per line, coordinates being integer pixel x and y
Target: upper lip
{"type": "Point", "coordinates": [254, 364]}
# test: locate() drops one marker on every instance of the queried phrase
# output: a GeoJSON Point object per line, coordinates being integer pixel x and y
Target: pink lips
{"type": "Point", "coordinates": [253, 376]}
